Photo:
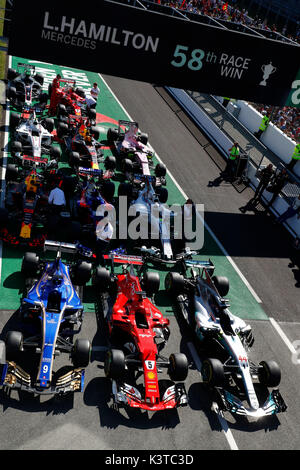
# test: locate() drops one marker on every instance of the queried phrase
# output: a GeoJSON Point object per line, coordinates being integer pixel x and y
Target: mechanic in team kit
{"type": "Point", "coordinates": [94, 91]}
{"type": "Point", "coordinates": [57, 199]}
{"type": "Point", "coordinates": [53, 97]}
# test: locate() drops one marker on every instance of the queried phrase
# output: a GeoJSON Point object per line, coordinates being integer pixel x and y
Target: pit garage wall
{"type": "Point", "coordinates": [223, 143]}
{"type": "Point", "coordinates": [273, 138]}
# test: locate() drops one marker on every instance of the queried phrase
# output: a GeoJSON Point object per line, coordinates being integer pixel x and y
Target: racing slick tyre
{"type": "Point", "coordinates": [43, 98]}
{"type": "Point", "coordinates": [14, 343]}
{"type": "Point", "coordinates": [12, 172]}
{"type": "Point", "coordinates": [12, 93]}
{"type": "Point", "coordinates": [108, 190]}
{"type": "Point", "coordinates": [110, 163]}
{"type": "Point", "coordinates": [3, 217]}
{"type": "Point", "coordinates": [178, 368]}
{"type": "Point", "coordinates": [101, 278]}
{"type": "Point", "coordinates": [80, 92]}
{"type": "Point", "coordinates": [55, 152]}
{"type": "Point", "coordinates": [30, 264]}
{"type": "Point", "coordinates": [222, 285]}
{"type": "Point", "coordinates": [127, 165]}
{"type": "Point", "coordinates": [174, 283]}
{"type": "Point", "coordinates": [151, 283]}
{"type": "Point", "coordinates": [269, 373]}
{"type": "Point", "coordinates": [112, 135]}
{"type": "Point", "coordinates": [49, 90]}
{"type": "Point", "coordinates": [39, 78]}
{"type": "Point", "coordinates": [125, 189]}
{"type": "Point", "coordinates": [62, 129]}
{"type": "Point", "coordinates": [114, 364]}
{"type": "Point", "coordinates": [213, 372]}
{"type": "Point", "coordinates": [61, 110]}
{"type": "Point", "coordinates": [95, 131]}
{"type": "Point", "coordinates": [14, 120]}
{"type": "Point", "coordinates": [81, 352]}
{"type": "Point", "coordinates": [160, 170]}
{"type": "Point", "coordinates": [74, 159]}
{"type": "Point", "coordinates": [16, 147]}
{"type": "Point", "coordinates": [143, 138]}
{"type": "Point", "coordinates": [49, 124]}
{"type": "Point", "coordinates": [162, 194]}
{"type": "Point", "coordinates": [92, 114]}
{"type": "Point", "coordinates": [82, 273]}
{"type": "Point", "coordinates": [11, 74]}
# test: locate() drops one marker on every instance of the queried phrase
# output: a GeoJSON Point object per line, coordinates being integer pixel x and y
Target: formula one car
{"type": "Point", "coordinates": [23, 219]}
{"type": "Point", "coordinates": [26, 217]}
{"type": "Point", "coordinates": [226, 338]}
{"type": "Point", "coordinates": [81, 141]}
{"type": "Point", "coordinates": [52, 306]}
{"type": "Point", "coordinates": [134, 152]}
{"type": "Point", "coordinates": [140, 331]}
{"type": "Point", "coordinates": [69, 100]}
{"type": "Point", "coordinates": [94, 192]}
{"type": "Point", "coordinates": [157, 220]}
{"type": "Point", "coordinates": [32, 139]}
{"type": "Point", "coordinates": [25, 86]}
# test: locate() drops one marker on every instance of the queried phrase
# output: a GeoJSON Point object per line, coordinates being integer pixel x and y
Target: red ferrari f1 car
{"type": "Point", "coordinates": [141, 331]}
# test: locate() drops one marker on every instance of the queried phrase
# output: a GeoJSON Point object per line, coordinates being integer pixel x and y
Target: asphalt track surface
{"type": "Point", "coordinates": [89, 422]}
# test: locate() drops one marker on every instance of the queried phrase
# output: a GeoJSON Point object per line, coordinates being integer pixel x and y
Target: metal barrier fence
{"type": "Point", "coordinates": [263, 156]}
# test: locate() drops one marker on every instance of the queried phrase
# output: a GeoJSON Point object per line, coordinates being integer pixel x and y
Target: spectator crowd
{"type": "Point", "coordinates": [287, 119]}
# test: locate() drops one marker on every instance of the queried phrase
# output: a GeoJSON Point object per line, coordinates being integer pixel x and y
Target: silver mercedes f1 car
{"type": "Point", "coordinates": [225, 340]}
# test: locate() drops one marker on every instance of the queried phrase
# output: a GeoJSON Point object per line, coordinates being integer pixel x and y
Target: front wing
{"type": "Point", "coordinates": [124, 394]}
{"type": "Point", "coordinates": [274, 404]}
{"type": "Point", "coordinates": [14, 377]}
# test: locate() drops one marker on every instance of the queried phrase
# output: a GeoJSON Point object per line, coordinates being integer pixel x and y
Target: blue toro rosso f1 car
{"type": "Point", "coordinates": [53, 310]}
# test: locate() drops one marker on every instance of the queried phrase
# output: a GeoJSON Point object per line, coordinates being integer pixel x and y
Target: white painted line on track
{"type": "Point", "coordinates": [233, 264]}
{"type": "Point", "coordinates": [285, 339]}
{"type": "Point", "coordinates": [228, 434]}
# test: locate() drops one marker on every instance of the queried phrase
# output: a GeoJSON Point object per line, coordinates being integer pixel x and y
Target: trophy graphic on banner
{"type": "Point", "coordinates": [267, 70]}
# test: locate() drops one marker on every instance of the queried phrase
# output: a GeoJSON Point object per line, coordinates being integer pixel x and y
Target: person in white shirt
{"type": "Point", "coordinates": [91, 98]}
{"type": "Point", "coordinates": [104, 233]}
{"type": "Point", "coordinates": [57, 199]}
{"type": "Point", "coordinates": [95, 91]}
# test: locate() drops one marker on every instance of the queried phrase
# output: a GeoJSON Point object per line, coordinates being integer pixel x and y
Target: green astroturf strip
{"type": "Point", "coordinates": [242, 302]}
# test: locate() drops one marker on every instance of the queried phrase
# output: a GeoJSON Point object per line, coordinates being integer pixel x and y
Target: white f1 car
{"type": "Point", "coordinates": [33, 138]}
{"type": "Point", "coordinates": [200, 301]}
{"type": "Point", "coordinates": [25, 86]}
{"type": "Point", "coordinates": [156, 219]}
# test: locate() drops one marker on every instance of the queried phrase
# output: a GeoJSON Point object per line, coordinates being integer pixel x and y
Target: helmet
{"type": "Point", "coordinates": [57, 279]}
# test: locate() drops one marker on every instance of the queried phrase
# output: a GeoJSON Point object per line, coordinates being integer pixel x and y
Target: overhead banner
{"type": "Point", "coordinates": [128, 42]}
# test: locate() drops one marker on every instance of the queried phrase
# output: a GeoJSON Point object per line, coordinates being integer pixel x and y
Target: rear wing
{"type": "Point", "coordinates": [26, 66]}
{"type": "Point", "coordinates": [124, 259]}
{"type": "Point", "coordinates": [208, 266]}
{"type": "Point", "coordinates": [66, 80]}
{"type": "Point", "coordinates": [89, 171]}
{"type": "Point", "coordinates": [64, 247]}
